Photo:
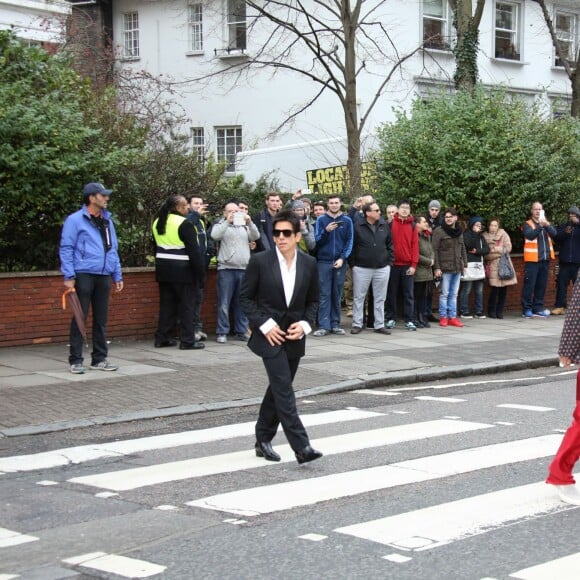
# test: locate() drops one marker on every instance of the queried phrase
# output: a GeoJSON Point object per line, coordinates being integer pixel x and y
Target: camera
{"type": "Point", "coordinates": [239, 218]}
{"type": "Point", "coordinates": [305, 191]}
{"type": "Point", "coordinates": [339, 223]}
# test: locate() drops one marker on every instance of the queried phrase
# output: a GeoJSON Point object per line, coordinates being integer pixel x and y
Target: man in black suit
{"type": "Point", "coordinates": [280, 296]}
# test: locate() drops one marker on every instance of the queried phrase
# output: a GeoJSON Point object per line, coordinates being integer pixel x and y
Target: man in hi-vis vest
{"type": "Point", "coordinates": [538, 251]}
{"type": "Point", "coordinates": [179, 268]}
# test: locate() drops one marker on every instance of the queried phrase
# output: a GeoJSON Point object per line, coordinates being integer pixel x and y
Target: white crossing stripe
{"type": "Point", "coordinates": [438, 525]}
{"type": "Point", "coordinates": [230, 462]}
{"type": "Point", "coordinates": [566, 568]}
{"type": "Point", "coordinates": [10, 538]}
{"type": "Point", "coordinates": [440, 399]}
{"type": "Point", "coordinates": [526, 407]}
{"type": "Point", "coordinates": [113, 564]}
{"type": "Point", "coordinates": [283, 496]}
{"type": "Point", "coordinates": [83, 453]}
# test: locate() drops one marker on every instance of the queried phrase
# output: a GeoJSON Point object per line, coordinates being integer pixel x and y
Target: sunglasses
{"type": "Point", "coordinates": [285, 233]}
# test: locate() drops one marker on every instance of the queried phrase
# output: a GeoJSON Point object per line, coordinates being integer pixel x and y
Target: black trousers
{"type": "Point", "coordinates": [176, 300]}
{"type": "Point", "coordinates": [279, 403]}
{"type": "Point", "coordinates": [567, 274]}
{"type": "Point", "coordinates": [93, 290]}
{"type": "Point", "coordinates": [399, 279]}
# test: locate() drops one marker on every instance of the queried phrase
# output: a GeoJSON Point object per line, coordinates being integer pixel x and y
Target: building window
{"type": "Point", "coordinates": [507, 30]}
{"type": "Point", "coordinates": [436, 24]}
{"type": "Point", "coordinates": [198, 143]}
{"type": "Point", "coordinates": [229, 143]}
{"type": "Point", "coordinates": [195, 25]}
{"type": "Point", "coordinates": [566, 24]}
{"type": "Point", "coordinates": [131, 35]}
{"type": "Point", "coordinates": [236, 24]}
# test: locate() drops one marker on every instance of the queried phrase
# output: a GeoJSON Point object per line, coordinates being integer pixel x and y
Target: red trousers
{"type": "Point", "coordinates": [569, 451]}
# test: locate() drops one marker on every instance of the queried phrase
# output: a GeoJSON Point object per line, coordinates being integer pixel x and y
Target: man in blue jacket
{"type": "Point", "coordinates": [334, 237]}
{"type": "Point", "coordinates": [89, 259]}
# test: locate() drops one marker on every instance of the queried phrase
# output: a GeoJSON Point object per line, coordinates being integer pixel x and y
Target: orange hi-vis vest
{"type": "Point", "coordinates": [531, 246]}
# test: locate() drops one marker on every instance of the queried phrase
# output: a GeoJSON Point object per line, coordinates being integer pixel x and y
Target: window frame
{"type": "Point", "coordinates": [131, 43]}
{"type": "Point", "coordinates": [222, 142]}
{"type": "Point", "coordinates": [236, 24]}
{"type": "Point", "coordinates": [195, 27]}
{"type": "Point", "coordinates": [575, 34]}
{"type": "Point", "coordinates": [516, 40]}
{"type": "Point", "coordinates": [445, 34]}
{"type": "Point", "coordinates": [198, 143]}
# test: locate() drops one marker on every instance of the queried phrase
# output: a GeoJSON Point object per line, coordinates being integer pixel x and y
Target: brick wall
{"type": "Point", "coordinates": [31, 312]}
{"type": "Point", "coordinates": [31, 309]}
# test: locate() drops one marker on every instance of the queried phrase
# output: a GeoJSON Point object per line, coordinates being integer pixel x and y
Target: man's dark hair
{"type": "Point", "coordinates": [319, 203]}
{"type": "Point", "coordinates": [231, 200]}
{"type": "Point", "coordinates": [450, 210]}
{"type": "Point", "coordinates": [272, 194]}
{"type": "Point", "coordinates": [367, 206]}
{"type": "Point", "coordinates": [191, 196]}
{"type": "Point", "coordinates": [287, 215]}
{"type": "Point", "coordinates": [403, 201]}
{"type": "Point", "coordinates": [334, 196]}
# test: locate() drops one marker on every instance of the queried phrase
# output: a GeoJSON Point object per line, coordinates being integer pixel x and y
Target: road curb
{"type": "Point", "coordinates": [422, 375]}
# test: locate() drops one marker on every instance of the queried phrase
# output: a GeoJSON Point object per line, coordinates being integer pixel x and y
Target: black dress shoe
{"type": "Point", "coordinates": [164, 343]}
{"type": "Point", "coordinates": [264, 449]}
{"type": "Point", "coordinates": [194, 346]}
{"type": "Point", "coordinates": [307, 454]}
{"type": "Point", "coordinates": [432, 318]}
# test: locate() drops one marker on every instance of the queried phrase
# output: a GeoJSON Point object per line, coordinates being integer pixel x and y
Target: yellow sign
{"type": "Point", "coordinates": [334, 180]}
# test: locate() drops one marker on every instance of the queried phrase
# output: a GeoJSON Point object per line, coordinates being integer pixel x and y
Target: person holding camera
{"type": "Point", "coordinates": [234, 232]}
{"type": "Point", "coordinates": [334, 236]}
{"type": "Point", "coordinates": [538, 251]}
{"type": "Point", "coordinates": [307, 242]}
{"type": "Point", "coordinates": [568, 239]}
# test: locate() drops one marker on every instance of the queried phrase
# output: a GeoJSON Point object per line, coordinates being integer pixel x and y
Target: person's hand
{"type": "Point", "coordinates": [297, 195]}
{"type": "Point", "coordinates": [252, 245]}
{"type": "Point", "coordinates": [338, 263]}
{"type": "Point", "coordinates": [544, 222]}
{"type": "Point", "coordinates": [119, 286]}
{"type": "Point", "coordinates": [69, 283]}
{"type": "Point", "coordinates": [295, 331]}
{"type": "Point", "coordinates": [358, 203]}
{"type": "Point", "coordinates": [472, 251]}
{"type": "Point", "coordinates": [438, 273]}
{"type": "Point", "coordinates": [410, 271]}
{"type": "Point", "coordinates": [276, 336]}
{"type": "Point", "coordinates": [331, 226]}
{"type": "Point", "coordinates": [248, 219]}
{"type": "Point", "coordinates": [230, 218]}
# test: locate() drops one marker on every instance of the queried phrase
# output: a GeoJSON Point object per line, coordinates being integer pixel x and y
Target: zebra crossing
{"type": "Point", "coordinates": [474, 441]}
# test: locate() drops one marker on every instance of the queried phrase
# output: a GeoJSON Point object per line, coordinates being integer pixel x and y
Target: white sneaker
{"type": "Point", "coordinates": [221, 338]}
{"type": "Point", "coordinates": [569, 494]}
{"type": "Point", "coordinates": [104, 365]}
{"type": "Point", "coordinates": [77, 369]}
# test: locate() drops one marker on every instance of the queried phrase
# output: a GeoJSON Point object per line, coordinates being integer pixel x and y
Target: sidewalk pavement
{"type": "Point", "coordinates": [40, 395]}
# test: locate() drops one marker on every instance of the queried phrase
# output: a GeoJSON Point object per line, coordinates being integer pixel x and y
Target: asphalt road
{"type": "Point", "coordinates": [438, 481]}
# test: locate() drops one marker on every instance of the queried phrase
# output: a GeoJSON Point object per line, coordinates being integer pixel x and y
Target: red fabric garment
{"type": "Point", "coordinates": [569, 450]}
{"type": "Point", "coordinates": [405, 241]}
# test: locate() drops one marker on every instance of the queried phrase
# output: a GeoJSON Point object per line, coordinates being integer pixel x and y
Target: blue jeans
{"type": "Point", "coordinates": [229, 283]}
{"type": "Point", "coordinates": [331, 282]}
{"type": "Point", "coordinates": [466, 287]}
{"type": "Point", "coordinates": [448, 294]}
{"type": "Point", "coordinates": [535, 283]}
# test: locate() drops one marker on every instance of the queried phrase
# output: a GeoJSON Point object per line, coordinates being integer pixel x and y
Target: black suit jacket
{"type": "Point", "coordinates": [262, 297]}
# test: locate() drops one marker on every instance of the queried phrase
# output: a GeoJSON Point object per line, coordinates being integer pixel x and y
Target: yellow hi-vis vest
{"type": "Point", "coordinates": [531, 246]}
{"type": "Point", "coordinates": [169, 246]}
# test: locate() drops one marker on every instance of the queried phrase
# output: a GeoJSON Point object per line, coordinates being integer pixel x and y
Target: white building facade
{"type": "Point", "coordinates": [35, 21]}
{"type": "Point", "coordinates": [237, 115]}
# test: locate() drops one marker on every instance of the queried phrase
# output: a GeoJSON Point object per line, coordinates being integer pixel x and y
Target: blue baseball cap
{"type": "Point", "coordinates": [94, 188]}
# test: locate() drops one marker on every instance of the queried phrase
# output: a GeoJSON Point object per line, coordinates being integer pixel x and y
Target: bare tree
{"type": "Point", "coordinates": [466, 22]}
{"type": "Point", "coordinates": [332, 43]}
{"type": "Point", "coordinates": [570, 62]}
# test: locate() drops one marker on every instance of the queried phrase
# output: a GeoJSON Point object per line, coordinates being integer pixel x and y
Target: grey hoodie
{"type": "Point", "coordinates": [234, 249]}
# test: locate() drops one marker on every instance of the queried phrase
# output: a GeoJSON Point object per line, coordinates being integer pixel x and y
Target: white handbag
{"type": "Point", "coordinates": [474, 271]}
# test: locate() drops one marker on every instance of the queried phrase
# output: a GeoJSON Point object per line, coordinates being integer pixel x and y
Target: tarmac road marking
{"type": "Point", "coordinates": [440, 399]}
{"type": "Point", "coordinates": [283, 496]}
{"type": "Point", "coordinates": [535, 408]}
{"type": "Point", "coordinates": [10, 538]}
{"type": "Point", "coordinates": [113, 564]}
{"type": "Point", "coordinates": [84, 453]}
{"type": "Point", "coordinates": [229, 462]}
{"type": "Point", "coordinates": [439, 525]}
{"type": "Point", "coordinates": [566, 568]}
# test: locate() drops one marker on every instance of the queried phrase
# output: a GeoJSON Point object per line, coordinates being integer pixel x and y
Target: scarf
{"type": "Point", "coordinates": [452, 232]}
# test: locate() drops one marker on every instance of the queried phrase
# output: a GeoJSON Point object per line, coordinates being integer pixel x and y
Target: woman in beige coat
{"type": "Point", "coordinates": [499, 243]}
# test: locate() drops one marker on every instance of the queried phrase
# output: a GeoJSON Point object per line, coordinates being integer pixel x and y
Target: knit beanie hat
{"type": "Point", "coordinates": [434, 203]}
{"type": "Point", "coordinates": [574, 209]}
{"type": "Point", "coordinates": [474, 220]}
{"type": "Point", "coordinates": [297, 204]}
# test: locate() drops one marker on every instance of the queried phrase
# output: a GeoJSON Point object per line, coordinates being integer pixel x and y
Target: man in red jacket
{"type": "Point", "coordinates": [406, 244]}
